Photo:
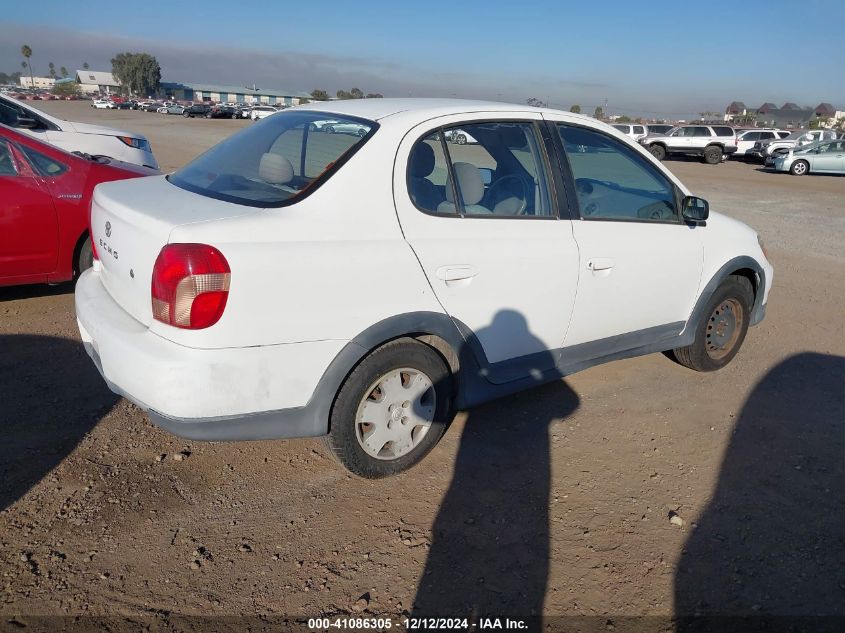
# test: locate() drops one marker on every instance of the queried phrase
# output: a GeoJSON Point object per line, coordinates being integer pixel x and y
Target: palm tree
{"type": "Point", "coordinates": [63, 71]}
{"type": "Point", "coordinates": [26, 51]}
{"type": "Point", "coordinates": [52, 70]}
{"type": "Point", "coordinates": [85, 65]}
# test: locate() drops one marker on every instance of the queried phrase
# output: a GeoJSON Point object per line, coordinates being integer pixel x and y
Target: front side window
{"type": "Point", "coordinates": [613, 181]}
{"type": "Point", "coordinates": [7, 161]}
{"type": "Point", "coordinates": [639, 129]}
{"type": "Point", "coordinates": [275, 162]}
{"type": "Point", "coordinates": [481, 169]}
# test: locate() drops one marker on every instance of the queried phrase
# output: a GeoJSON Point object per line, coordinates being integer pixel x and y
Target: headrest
{"type": "Point", "coordinates": [469, 182]}
{"type": "Point", "coordinates": [422, 160]}
{"type": "Point", "coordinates": [275, 169]}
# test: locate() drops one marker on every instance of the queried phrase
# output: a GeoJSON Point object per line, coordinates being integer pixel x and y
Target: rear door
{"type": "Point", "coordinates": [640, 265]}
{"type": "Point", "coordinates": [483, 221]}
{"type": "Point", "coordinates": [28, 227]}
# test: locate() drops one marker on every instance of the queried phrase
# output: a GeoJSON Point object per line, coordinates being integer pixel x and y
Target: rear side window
{"type": "Point", "coordinates": [614, 181]}
{"type": "Point", "coordinates": [481, 170]}
{"type": "Point", "coordinates": [767, 135]}
{"type": "Point", "coordinates": [276, 161]}
{"type": "Point", "coordinates": [622, 128]}
{"type": "Point", "coordinates": [639, 129]}
{"type": "Point", "coordinates": [43, 164]}
{"type": "Point", "coordinates": [723, 131]}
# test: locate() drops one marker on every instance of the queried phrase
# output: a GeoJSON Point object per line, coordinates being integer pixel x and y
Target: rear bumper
{"type": "Point", "coordinates": [210, 394]}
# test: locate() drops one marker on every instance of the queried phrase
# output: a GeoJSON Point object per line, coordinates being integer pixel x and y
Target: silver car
{"type": "Point", "coordinates": [824, 157]}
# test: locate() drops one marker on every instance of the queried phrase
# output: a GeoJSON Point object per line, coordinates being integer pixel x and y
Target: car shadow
{"type": "Point", "coordinates": [769, 550]}
{"type": "Point", "coordinates": [51, 395]}
{"type": "Point", "coordinates": [490, 545]}
{"type": "Point", "coordinates": [13, 293]}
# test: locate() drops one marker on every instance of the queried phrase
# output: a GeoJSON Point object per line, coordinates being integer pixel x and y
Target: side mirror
{"type": "Point", "coordinates": [695, 210]}
{"type": "Point", "coordinates": [486, 175]}
{"type": "Point", "coordinates": [27, 122]}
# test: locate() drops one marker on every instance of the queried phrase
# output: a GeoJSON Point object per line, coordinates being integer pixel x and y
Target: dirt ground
{"type": "Point", "coordinates": [556, 501]}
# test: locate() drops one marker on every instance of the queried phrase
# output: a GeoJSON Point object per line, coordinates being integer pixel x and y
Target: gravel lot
{"type": "Point", "coordinates": [555, 501]}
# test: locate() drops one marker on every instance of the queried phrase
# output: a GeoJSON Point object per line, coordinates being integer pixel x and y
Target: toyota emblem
{"type": "Point", "coordinates": [108, 229]}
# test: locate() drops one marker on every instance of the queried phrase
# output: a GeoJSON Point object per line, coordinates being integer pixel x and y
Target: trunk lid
{"type": "Point", "coordinates": [131, 220]}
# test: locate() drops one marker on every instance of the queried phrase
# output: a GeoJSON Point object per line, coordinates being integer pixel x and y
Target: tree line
{"type": "Point", "coordinates": [355, 93]}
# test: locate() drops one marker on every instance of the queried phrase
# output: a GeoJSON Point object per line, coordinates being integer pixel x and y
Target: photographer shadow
{"type": "Point", "coordinates": [772, 541]}
{"type": "Point", "coordinates": [51, 395]}
{"type": "Point", "coordinates": [490, 545]}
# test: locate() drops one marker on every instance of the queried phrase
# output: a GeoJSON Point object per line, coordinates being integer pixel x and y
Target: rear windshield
{"type": "Point", "coordinates": [276, 161]}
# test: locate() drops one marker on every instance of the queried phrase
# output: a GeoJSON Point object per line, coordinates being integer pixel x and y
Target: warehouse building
{"type": "Point", "coordinates": [95, 81]}
{"type": "Point", "coordinates": [231, 94]}
{"type": "Point", "coordinates": [37, 82]}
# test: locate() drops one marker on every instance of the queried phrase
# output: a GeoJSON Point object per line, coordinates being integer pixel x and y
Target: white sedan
{"type": "Point", "coordinates": [103, 104]}
{"type": "Point", "coordinates": [72, 136]}
{"type": "Point", "coordinates": [287, 284]}
{"type": "Point", "coordinates": [824, 157]}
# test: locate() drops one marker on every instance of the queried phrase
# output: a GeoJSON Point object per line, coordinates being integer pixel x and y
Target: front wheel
{"type": "Point", "coordinates": [799, 168]}
{"type": "Point", "coordinates": [658, 151]}
{"type": "Point", "coordinates": [722, 331]}
{"type": "Point", "coordinates": [391, 410]}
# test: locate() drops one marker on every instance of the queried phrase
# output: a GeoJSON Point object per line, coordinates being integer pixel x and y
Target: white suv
{"type": "Point", "coordinates": [745, 141]}
{"type": "Point", "coordinates": [634, 130]}
{"type": "Point", "coordinates": [77, 137]}
{"type": "Point", "coordinates": [711, 142]}
{"type": "Point", "coordinates": [289, 284]}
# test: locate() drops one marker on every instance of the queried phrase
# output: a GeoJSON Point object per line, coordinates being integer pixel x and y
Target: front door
{"type": "Point", "coordinates": [482, 220]}
{"type": "Point", "coordinates": [28, 230]}
{"type": "Point", "coordinates": [640, 265]}
{"type": "Point", "coordinates": [829, 157]}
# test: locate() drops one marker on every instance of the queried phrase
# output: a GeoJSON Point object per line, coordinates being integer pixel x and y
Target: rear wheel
{"type": "Point", "coordinates": [722, 330]}
{"type": "Point", "coordinates": [799, 168]}
{"type": "Point", "coordinates": [391, 410]}
{"type": "Point", "coordinates": [713, 155]}
{"type": "Point", "coordinates": [85, 258]}
{"type": "Point", "coordinates": [658, 151]}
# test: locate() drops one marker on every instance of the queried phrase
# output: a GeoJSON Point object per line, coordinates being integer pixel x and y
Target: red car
{"type": "Point", "coordinates": [45, 198]}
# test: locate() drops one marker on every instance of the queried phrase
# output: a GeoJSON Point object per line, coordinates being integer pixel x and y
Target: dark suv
{"type": "Point", "coordinates": [197, 109]}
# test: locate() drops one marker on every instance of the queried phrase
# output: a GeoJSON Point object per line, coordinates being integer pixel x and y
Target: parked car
{"type": "Point", "coordinates": [459, 137]}
{"type": "Point", "coordinates": [658, 128]}
{"type": "Point", "coordinates": [711, 142]}
{"type": "Point", "coordinates": [151, 106]}
{"type": "Point", "coordinates": [765, 150]}
{"type": "Point", "coordinates": [222, 112]}
{"type": "Point", "coordinates": [174, 108]}
{"type": "Point", "coordinates": [196, 109]}
{"type": "Point", "coordinates": [72, 136]}
{"type": "Point", "coordinates": [746, 139]}
{"type": "Point", "coordinates": [634, 130]}
{"type": "Point", "coordinates": [251, 309]}
{"type": "Point", "coordinates": [104, 104]}
{"type": "Point", "coordinates": [260, 112]}
{"type": "Point", "coordinates": [824, 157]}
{"type": "Point", "coordinates": [320, 125]}
{"type": "Point", "coordinates": [45, 195]}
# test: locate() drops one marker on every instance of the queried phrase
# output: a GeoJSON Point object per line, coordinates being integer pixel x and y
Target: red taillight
{"type": "Point", "coordinates": [190, 286]}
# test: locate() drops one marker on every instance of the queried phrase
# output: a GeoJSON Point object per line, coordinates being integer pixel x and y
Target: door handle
{"type": "Point", "coordinates": [600, 263]}
{"type": "Point", "coordinates": [451, 274]}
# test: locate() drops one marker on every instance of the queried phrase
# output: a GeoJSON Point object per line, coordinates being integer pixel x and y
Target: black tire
{"type": "Point", "coordinates": [658, 151]}
{"type": "Point", "coordinates": [208, 116]}
{"type": "Point", "coordinates": [461, 139]}
{"type": "Point", "coordinates": [186, 115]}
{"type": "Point", "coordinates": [712, 155]}
{"type": "Point", "coordinates": [401, 353]}
{"type": "Point", "coordinates": [85, 257]}
{"type": "Point", "coordinates": [705, 353]}
{"type": "Point", "coordinates": [799, 168]}
{"type": "Point", "coordinates": [328, 129]}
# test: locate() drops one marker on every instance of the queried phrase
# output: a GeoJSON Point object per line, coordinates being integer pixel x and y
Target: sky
{"type": "Point", "coordinates": [659, 59]}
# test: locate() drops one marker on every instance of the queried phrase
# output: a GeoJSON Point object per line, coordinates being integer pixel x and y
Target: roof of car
{"type": "Point", "coordinates": [375, 109]}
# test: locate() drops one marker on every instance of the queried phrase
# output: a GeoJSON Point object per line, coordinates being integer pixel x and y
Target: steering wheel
{"type": "Point", "coordinates": [493, 193]}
